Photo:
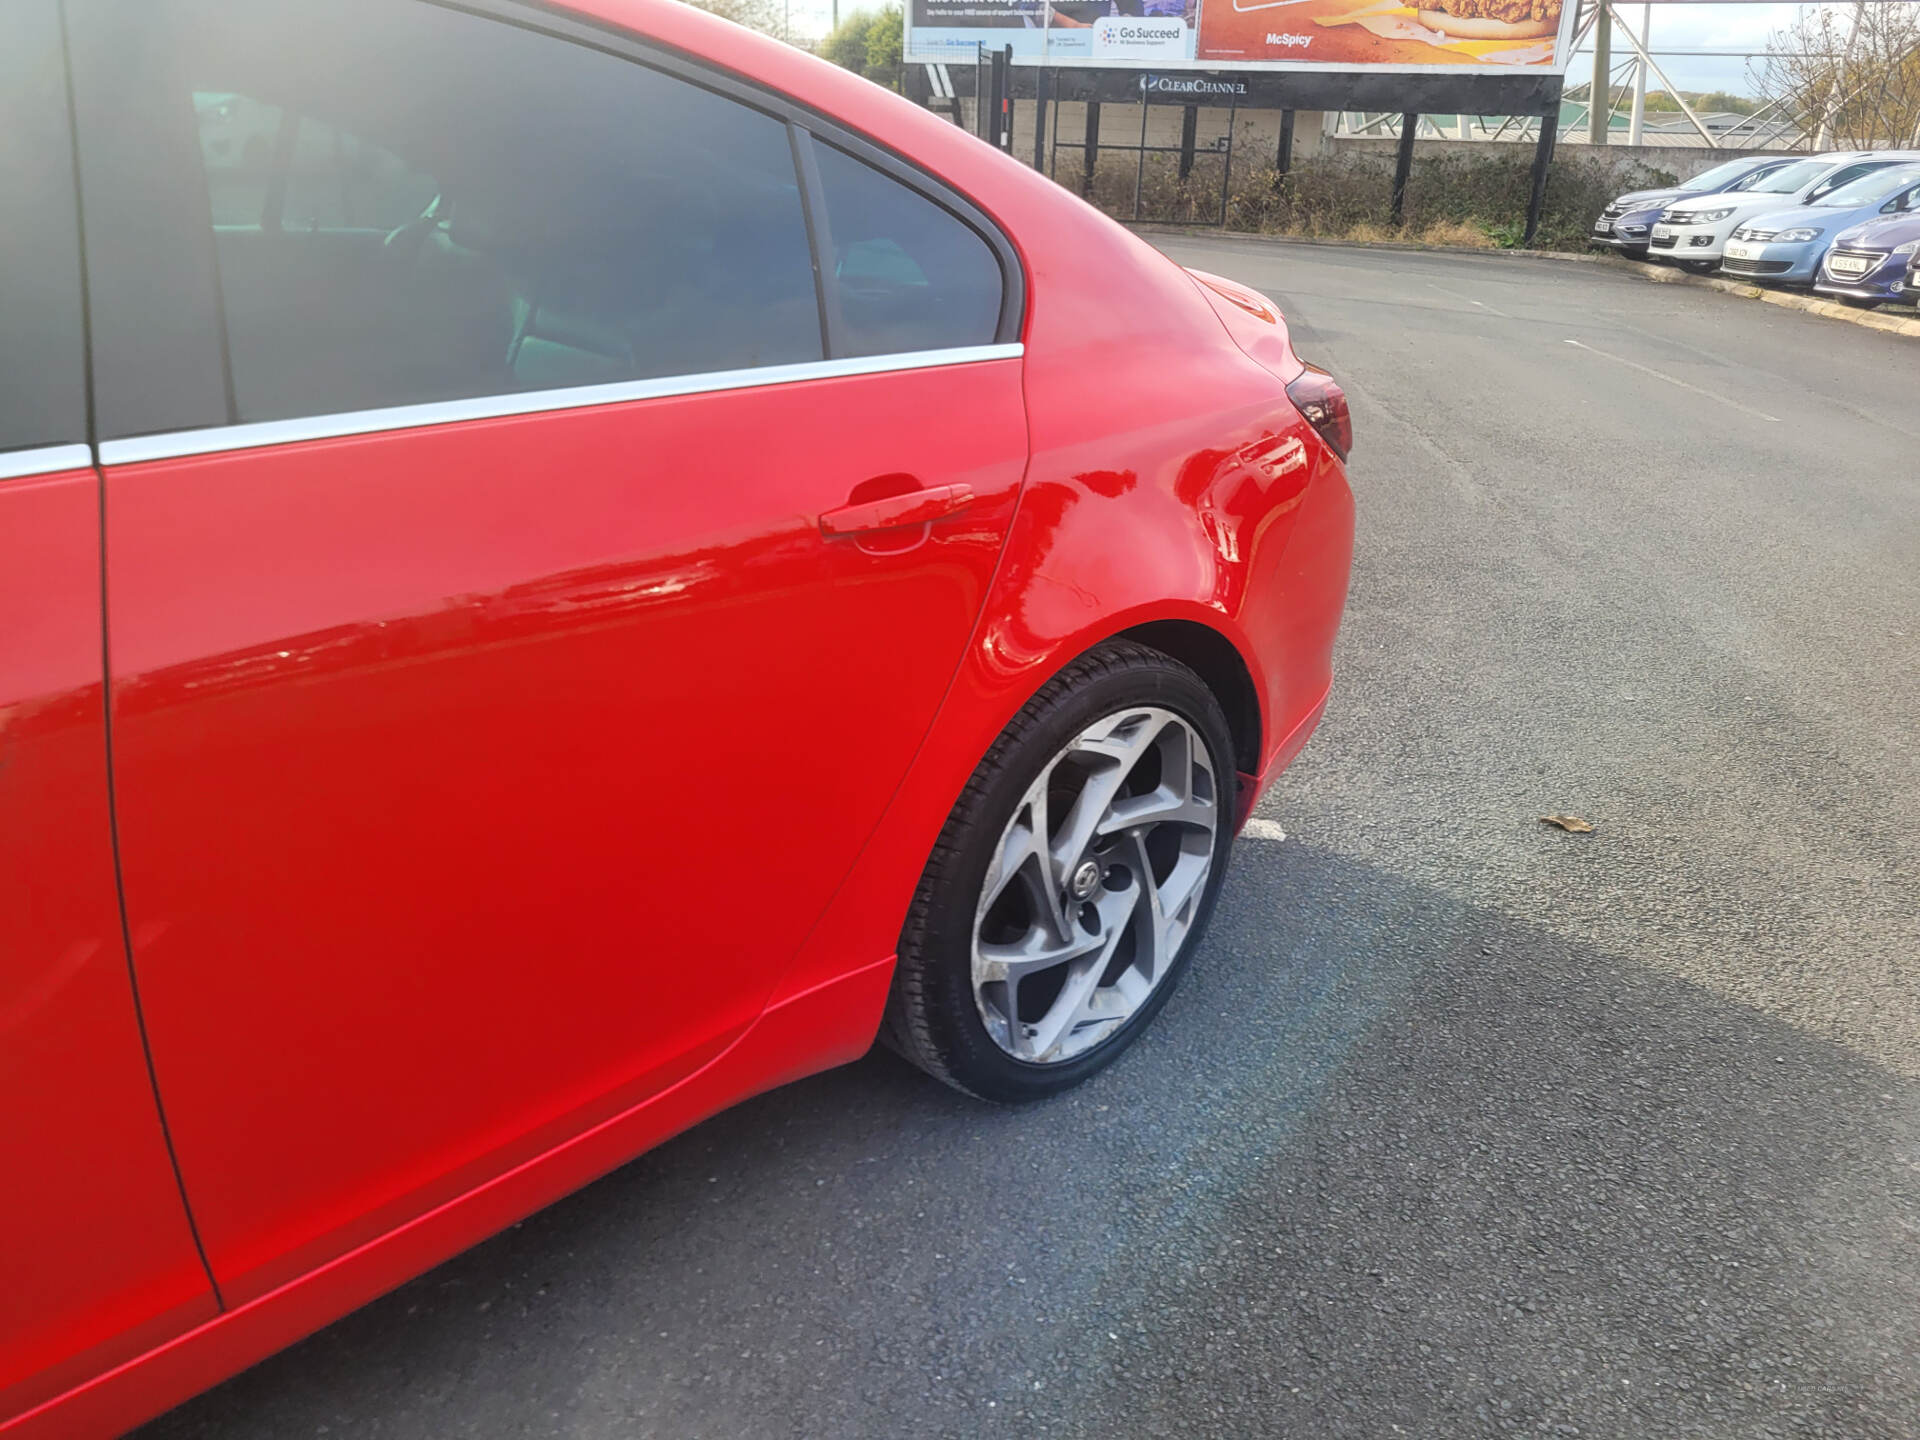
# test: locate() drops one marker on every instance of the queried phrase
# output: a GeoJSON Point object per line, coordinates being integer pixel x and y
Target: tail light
{"type": "Point", "coordinates": [1325, 405]}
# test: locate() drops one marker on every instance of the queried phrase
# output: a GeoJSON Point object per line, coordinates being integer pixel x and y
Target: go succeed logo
{"type": "Point", "coordinates": [1142, 36]}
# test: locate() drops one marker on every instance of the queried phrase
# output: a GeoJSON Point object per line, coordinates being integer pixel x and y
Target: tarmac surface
{"type": "Point", "coordinates": [1460, 1124]}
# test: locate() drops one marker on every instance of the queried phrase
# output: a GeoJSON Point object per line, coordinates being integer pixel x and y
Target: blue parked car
{"type": "Point", "coordinates": [1786, 247]}
{"type": "Point", "coordinates": [1628, 219]}
{"type": "Point", "coordinates": [1874, 263]}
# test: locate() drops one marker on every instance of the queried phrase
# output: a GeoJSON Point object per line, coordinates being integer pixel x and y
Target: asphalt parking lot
{"type": "Point", "coordinates": [1460, 1125]}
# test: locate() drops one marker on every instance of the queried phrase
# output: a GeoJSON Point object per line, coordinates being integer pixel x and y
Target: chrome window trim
{"type": "Point", "coordinates": [44, 460]}
{"type": "Point", "coordinates": [174, 444]}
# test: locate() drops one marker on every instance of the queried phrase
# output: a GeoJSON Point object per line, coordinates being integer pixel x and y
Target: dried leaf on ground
{"type": "Point", "coordinates": [1569, 822]}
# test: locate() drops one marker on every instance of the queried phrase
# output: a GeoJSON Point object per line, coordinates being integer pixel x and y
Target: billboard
{"type": "Point", "coordinates": [1514, 36]}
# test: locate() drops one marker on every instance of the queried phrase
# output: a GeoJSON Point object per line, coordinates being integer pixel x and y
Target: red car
{"type": "Point", "coordinates": [560, 568]}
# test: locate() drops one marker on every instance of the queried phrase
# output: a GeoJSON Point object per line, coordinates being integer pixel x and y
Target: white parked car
{"type": "Point", "coordinates": [1694, 232]}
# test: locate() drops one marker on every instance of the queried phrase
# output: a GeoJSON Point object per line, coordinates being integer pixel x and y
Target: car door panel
{"type": "Point", "coordinates": [483, 757]}
{"type": "Point", "coordinates": [476, 781]}
{"type": "Point", "coordinates": [98, 1261]}
{"type": "Point", "coordinates": [97, 1257]}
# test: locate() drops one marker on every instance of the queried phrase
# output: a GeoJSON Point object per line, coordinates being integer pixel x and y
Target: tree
{"type": "Point", "coordinates": [846, 44]}
{"type": "Point", "coordinates": [885, 38]}
{"type": "Point", "coordinates": [868, 43]}
{"type": "Point", "coordinates": [1849, 78]}
{"type": "Point", "coordinates": [1713, 100]}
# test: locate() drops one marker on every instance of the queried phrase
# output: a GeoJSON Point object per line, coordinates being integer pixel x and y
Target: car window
{"type": "Point", "coordinates": [334, 180]}
{"type": "Point", "coordinates": [408, 204]}
{"type": "Point", "coordinates": [42, 382]}
{"type": "Point", "coordinates": [1792, 178]}
{"type": "Point", "coordinates": [1752, 181]}
{"type": "Point", "coordinates": [236, 148]}
{"type": "Point", "coordinates": [1718, 176]}
{"type": "Point", "coordinates": [908, 274]}
{"type": "Point", "coordinates": [1844, 176]}
{"type": "Point", "coordinates": [1869, 189]}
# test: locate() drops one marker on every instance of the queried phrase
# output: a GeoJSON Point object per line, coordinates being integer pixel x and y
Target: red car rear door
{"type": "Point", "coordinates": [96, 1258]}
{"type": "Point", "coordinates": [527, 585]}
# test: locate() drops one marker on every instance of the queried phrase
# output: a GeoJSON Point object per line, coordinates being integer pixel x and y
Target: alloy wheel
{"type": "Point", "coordinates": [1095, 884]}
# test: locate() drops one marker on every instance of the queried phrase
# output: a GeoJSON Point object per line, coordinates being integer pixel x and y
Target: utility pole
{"type": "Point", "coordinates": [1637, 124]}
{"type": "Point", "coordinates": [1600, 94]}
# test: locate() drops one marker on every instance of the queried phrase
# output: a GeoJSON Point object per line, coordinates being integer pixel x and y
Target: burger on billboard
{"type": "Point", "coordinates": [1493, 19]}
{"type": "Point", "coordinates": [1396, 34]}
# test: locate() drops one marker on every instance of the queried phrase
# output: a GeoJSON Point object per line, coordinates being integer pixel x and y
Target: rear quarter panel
{"type": "Point", "coordinates": [1135, 509]}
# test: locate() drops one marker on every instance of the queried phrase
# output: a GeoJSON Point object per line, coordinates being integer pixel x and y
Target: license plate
{"type": "Point", "coordinates": [1843, 265]}
{"type": "Point", "coordinates": [1741, 252]}
{"type": "Point", "coordinates": [1663, 232]}
{"type": "Point", "coordinates": [1603, 227]}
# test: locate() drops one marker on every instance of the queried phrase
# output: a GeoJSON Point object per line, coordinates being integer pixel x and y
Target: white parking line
{"type": "Point", "coordinates": [1455, 294]}
{"type": "Point", "coordinates": [1674, 380]}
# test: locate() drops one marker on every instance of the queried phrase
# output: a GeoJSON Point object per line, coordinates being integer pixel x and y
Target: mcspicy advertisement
{"type": "Point", "coordinates": [1251, 34]}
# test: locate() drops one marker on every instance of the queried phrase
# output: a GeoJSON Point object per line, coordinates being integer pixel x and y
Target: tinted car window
{"type": "Point", "coordinates": [408, 204]}
{"type": "Point", "coordinates": [1719, 175]}
{"type": "Point", "coordinates": [1753, 181]}
{"type": "Point", "coordinates": [1869, 189]}
{"type": "Point", "coordinates": [908, 274]}
{"type": "Point", "coordinates": [1845, 175]}
{"type": "Point", "coordinates": [42, 383]}
{"type": "Point", "coordinates": [1792, 178]}
{"type": "Point", "coordinates": [335, 180]}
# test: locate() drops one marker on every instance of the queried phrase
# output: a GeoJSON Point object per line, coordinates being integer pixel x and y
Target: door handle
{"type": "Point", "coordinates": [916, 507]}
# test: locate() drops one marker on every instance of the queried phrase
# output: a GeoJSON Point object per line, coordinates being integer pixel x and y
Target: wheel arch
{"type": "Point", "coordinates": [1219, 664]}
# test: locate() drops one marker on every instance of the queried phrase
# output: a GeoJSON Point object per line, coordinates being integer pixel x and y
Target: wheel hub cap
{"type": "Point", "coordinates": [1095, 886]}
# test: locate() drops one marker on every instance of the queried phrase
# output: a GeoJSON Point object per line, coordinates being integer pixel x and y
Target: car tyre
{"type": "Point", "coordinates": [1699, 267]}
{"type": "Point", "coordinates": [1856, 302]}
{"type": "Point", "coordinates": [1062, 768]}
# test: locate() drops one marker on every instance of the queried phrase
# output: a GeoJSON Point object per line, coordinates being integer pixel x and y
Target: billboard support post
{"type": "Point", "coordinates": [1040, 120]}
{"type": "Point", "coordinates": [1091, 153]}
{"type": "Point", "coordinates": [1006, 99]}
{"type": "Point", "coordinates": [1140, 171]}
{"type": "Point", "coordinates": [1189, 134]}
{"type": "Point", "coordinates": [1542, 163]}
{"type": "Point", "coordinates": [1283, 161]}
{"type": "Point", "coordinates": [982, 84]}
{"type": "Point", "coordinates": [990, 112]}
{"type": "Point", "coordinates": [1403, 166]}
{"type": "Point", "coordinates": [1226, 161]}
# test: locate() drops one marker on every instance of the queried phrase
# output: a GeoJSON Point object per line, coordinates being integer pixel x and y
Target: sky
{"type": "Point", "coordinates": [1719, 27]}
{"type": "Point", "coordinates": [1701, 27]}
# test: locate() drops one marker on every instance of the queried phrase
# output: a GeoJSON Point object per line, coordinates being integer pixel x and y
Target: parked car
{"type": "Point", "coordinates": [1694, 233]}
{"type": "Point", "coordinates": [1872, 263]}
{"type": "Point", "coordinates": [1785, 247]}
{"type": "Point", "coordinates": [633, 557]}
{"type": "Point", "coordinates": [1627, 221]}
